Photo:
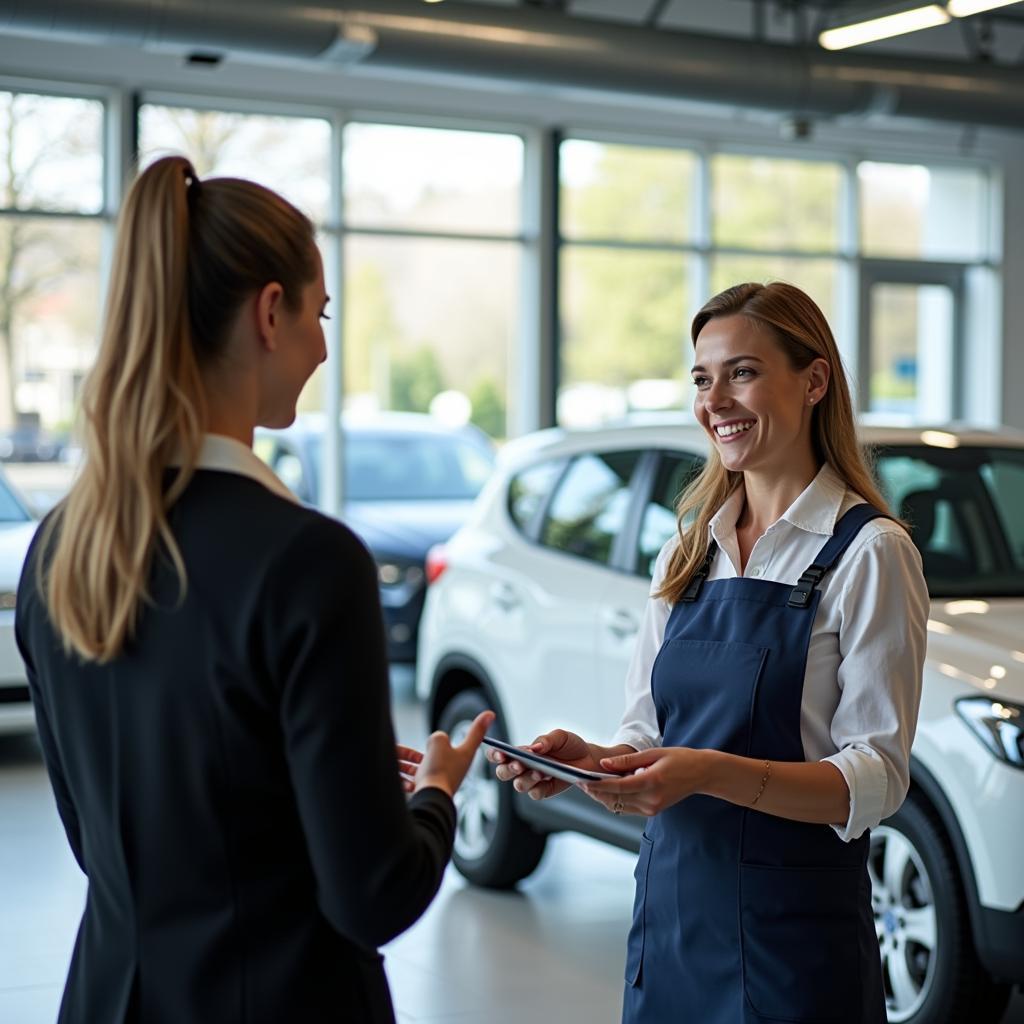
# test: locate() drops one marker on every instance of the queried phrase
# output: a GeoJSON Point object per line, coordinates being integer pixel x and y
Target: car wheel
{"type": "Point", "coordinates": [929, 968]}
{"type": "Point", "coordinates": [494, 847]}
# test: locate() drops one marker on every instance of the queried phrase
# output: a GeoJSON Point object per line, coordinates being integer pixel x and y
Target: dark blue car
{"type": "Point", "coordinates": [409, 482]}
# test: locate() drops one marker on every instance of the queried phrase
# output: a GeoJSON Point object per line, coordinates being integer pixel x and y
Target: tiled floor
{"type": "Point", "coordinates": [553, 951]}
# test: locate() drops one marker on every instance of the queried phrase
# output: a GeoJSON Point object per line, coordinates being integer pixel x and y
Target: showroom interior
{"type": "Point", "coordinates": [520, 205]}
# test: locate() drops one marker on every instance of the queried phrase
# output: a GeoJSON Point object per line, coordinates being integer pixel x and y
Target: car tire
{"type": "Point", "coordinates": [929, 967]}
{"type": "Point", "coordinates": [494, 847]}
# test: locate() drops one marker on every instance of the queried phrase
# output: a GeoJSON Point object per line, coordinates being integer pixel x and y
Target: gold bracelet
{"type": "Point", "coordinates": [764, 781]}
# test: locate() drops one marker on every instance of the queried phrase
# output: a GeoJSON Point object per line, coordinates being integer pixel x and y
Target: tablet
{"type": "Point", "coordinates": [547, 765]}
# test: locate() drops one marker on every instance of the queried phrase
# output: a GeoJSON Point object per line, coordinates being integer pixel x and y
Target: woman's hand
{"type": "Point", "coordinates": [442, 765]}
{"type": "Point", "coordinates": [563, 746]}
{"type": "Point", "coordinates": [409, 760]}
{"type": "Point", "coordinates": [660, 778]}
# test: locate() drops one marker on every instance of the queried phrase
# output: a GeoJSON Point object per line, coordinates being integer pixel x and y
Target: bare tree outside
{"type": "Point", "coordinates": [50, 161]}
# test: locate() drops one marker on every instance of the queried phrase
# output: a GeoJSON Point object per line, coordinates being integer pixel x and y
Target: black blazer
{"type": "Point", "coordinates": [229, 785]}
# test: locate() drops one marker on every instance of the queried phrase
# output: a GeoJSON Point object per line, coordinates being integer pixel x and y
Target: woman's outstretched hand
{"type": "Point", "coordinates": [442, 764]}
{"type": "Point", "coordinates": [563, 746]}
{"type": "Point", "coordinates": [660, 777]}
{"type": "Point", "coordinates": [409, 760]}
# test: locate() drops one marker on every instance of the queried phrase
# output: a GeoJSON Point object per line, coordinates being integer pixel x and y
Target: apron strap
{"type": "Point", "coordinates": [846, 529]}
{"type": "Point", "coordinates": [692, 591]}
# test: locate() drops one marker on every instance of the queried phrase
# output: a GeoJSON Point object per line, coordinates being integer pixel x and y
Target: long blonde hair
{"type": "Point", "coordinates": [793, 318]}
{"type": "Point", "coordinates": [188, 254]}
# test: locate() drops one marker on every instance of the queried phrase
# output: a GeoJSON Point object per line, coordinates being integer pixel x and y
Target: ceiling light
{"type": "Point", "coordinates": [965, 8]}
{"type": "Point", "coordinates": [886, 27]}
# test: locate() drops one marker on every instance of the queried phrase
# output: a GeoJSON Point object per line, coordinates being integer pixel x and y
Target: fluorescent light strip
{"type": "Point", "coordinates": [883, 28]}
{"type": "Point", "coordinates": [965, 8]}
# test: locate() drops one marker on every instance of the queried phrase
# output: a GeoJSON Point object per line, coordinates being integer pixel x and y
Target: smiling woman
{"type": "Point", "coordinates": [773, 378]}
{"type": "Point", "coordinates": [773, 690]}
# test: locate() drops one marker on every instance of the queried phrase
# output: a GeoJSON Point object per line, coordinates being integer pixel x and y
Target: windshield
{"type": "Point", "coordinates": [391, 466]}
{"type": "Point", "coordinates": [966, 509]}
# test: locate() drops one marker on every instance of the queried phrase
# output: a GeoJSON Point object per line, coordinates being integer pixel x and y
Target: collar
{"type": "Point", "coordinates": [815, 510]}
{"type": "Point", "coordinates": [226, 455]}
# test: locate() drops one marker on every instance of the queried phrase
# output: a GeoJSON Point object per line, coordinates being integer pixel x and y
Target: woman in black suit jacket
{"type": "Point", "coordinates": [207, 658]}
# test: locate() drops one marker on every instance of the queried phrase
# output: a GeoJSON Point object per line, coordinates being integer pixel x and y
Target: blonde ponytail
{"type": "Point", "coordinates": [187, 254]}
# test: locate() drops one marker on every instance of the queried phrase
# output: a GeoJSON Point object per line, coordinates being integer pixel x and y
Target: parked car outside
{"type": "Point", "coordinates": [17, 527]}
{"type": "Point", "coordinates": [30, 443]}
{"type": "Point", "coordinates": [535, 611]}
{"type": "Point", "coordinates": [409, 484]}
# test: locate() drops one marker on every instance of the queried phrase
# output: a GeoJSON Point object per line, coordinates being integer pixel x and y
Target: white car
{"type": "Point", "coordinates": [534, 609]}
{"type": "Point", "coordinates": [17, 527]}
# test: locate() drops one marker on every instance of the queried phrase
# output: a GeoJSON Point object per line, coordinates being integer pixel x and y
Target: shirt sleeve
{"type": "Point", "coordinates": [639, 725]}
{"type": "Point", "coordinates": [882, 638]}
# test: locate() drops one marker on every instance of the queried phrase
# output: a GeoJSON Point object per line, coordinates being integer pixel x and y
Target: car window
{"type": "Point", "coordinates": [11, 509]}
{"type": "Point", "coordinates": [962, 505]}
{"type": "Point", "coordinates": [413, 467]}
{"type": "Point", "coordinates": [589, 507]}
{"type": "Point", "coordinates": [675, 471]}
{"type": "Point", "coordinates": [1005, 482]}
{"type": "Point", "coordinates": [528, 490]}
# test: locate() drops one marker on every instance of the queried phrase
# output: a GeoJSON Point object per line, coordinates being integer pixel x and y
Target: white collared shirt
{"type": "Point", "coordinates": [862, 684]}
{"type": "Point", "coordinates": [226, 455]}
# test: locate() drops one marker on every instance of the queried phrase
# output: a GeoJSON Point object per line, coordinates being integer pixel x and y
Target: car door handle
{"type": "Point", "coordinates": [621, 623]}
{"type": "Point", "coordinates": [504, 596]}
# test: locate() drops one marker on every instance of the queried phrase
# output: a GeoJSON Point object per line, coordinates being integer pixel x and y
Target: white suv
{"type": "Point", "coordinates": [533, 611]}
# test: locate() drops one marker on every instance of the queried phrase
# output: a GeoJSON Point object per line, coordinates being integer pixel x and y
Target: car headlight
{"type": "Point", "coordinates": [396, 574]}
{"type": "Point", "coordinates": [998, 724]}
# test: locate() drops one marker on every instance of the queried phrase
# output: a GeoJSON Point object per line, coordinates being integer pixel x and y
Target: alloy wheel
{"type": "Point", "coordinates": [905, 921]}
{"type": "Point", "coordinates": [477, 803]}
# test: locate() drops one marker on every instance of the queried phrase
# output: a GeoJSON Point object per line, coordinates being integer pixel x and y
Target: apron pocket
{"type": "Point", "coordinates": [799, 935]}
{"type": "Point", "coordinates": [635, 945]}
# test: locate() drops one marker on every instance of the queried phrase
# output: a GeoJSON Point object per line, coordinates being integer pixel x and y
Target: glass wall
{"type": "Point", "coordinates": [627, 219]}
{"type": "Point", "coordinates": [433, 224]}
{"type": "Point", "coordinates": [291, 155]}
{"type": "Point", "coordinates": [427, 228]}
{"type": "Point", "coordinates": [642, 228]}
{"type": "Point", "coordinates": [51, 231]}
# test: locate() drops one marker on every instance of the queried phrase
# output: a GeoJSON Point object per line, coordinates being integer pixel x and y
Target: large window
{"type": "Point", "coordinates": [291, 155]}
{"type": "Point", "coordinates": [648, 234]}
{"type": "Point", "coordinates": [627, 218]}
{"type": "Point", "coordinates": [432, 258]}
{"type": "Point", "coordinates": [932, 213]}
{"type": "Point", "coordinates": [777, 205]}
{"type": "Point", "coordinates": [288, 154]}
{"type": "Point", "coordinates": [51, 228]}
{"type": "Point", "coordinates": [424, 231]}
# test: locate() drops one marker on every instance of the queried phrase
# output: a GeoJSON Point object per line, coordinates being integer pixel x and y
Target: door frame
{"type": "Point", "coordinates": [881, 271]}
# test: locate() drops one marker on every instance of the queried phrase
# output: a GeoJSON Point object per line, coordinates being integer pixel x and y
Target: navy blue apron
{"type": "Point", "coordinates": [741, 917]}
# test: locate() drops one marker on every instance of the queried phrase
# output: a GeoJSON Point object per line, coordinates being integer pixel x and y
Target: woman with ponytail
{"type": "Point", "coordinates": [206, 656]}
{"type": "Point", "coordinates": [773, 693]}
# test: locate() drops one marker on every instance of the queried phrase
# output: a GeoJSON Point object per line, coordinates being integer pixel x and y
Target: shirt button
{"type": "Point", "coordinates": [756, 571]}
